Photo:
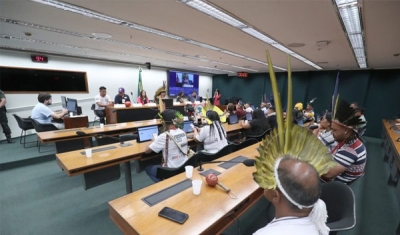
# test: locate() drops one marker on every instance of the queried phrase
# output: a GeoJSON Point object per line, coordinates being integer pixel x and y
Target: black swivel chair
{"type": "Point", "coordinates": [165, 172]}
{"type": "Point", "coordinates": [244, 144]}
{"type": "Point", "coordinates": [39, 127]}
{"type": "Point", "coordinates": [341, 206]}
{"type": "Point", "coordinates": [259, 137]}
{"type": "Point", "coordinates": [96, 118]}
{"type": "Point", "coordinates": [211, 157]}
{"type": "Point", "coordinates": [25, 124]}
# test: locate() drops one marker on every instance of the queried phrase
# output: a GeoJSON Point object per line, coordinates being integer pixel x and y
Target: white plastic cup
{"type": "Point", "coordinates": [101, 125]}
{"type": "Point", "coordinates": [71, 114]}
{"type": "Point", "coordinates": [196, 185]}
{"type": "Point", "coordinates": [88, 152]}
{"type": "Point", "coordinates": [189, 171]}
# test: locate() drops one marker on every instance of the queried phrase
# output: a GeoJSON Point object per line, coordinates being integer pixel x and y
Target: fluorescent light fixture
{"type": "Point", "coordinates": [219, 14]}
{"type": "Point", "coordinates": [252, 70]}
{"type": "Point", "coordinates": [212, 11]}
{"type": "Point", "coordinates": [350, 16]}
{"type": "Point", "coordinates": [204, 67]}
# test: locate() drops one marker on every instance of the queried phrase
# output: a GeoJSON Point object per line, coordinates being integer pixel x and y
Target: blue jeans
{"type": "Point", "coordinates": [151, 171]}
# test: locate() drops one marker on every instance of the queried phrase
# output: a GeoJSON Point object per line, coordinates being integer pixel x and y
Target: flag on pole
{"type": "Point", "coordinates": [140, 85]}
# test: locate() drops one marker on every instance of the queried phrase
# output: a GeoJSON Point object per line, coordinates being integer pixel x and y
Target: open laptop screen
{"type": "Point", "coordinates": [249, 116]}
{"type": "Point", "coordinates": [186, 126]}
{"type": "Point", "coordinates": [146, 133]}
{"type": "Point", "coordinates": [233, 119]}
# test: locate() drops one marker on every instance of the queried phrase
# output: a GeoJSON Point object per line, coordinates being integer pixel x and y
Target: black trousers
{"type": "Point", "coordinates": [4, 122]}
{"type": "Point", "coordinates": [101, 114]}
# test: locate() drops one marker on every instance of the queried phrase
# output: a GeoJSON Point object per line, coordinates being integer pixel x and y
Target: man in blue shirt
{"type": "Point", "coordinates": [43, 114]}
{"type": "Point", "coordinates": [194, 97]}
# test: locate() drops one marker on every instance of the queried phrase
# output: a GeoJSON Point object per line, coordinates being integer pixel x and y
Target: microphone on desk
{"type": "Point", "coordinates": [246, 162]}
{"type": "Point", "coordinates": [121, 142]}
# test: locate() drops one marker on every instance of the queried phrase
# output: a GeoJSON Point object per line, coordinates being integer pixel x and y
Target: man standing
{"type": "Point", "coordinates": [121, 97]}
{"type": "Point", "coordinates": [102, 100]}
{"type": "Point", "coordinates": [42, 114]}
{"type": "Point", "coordinates": [3, 118]}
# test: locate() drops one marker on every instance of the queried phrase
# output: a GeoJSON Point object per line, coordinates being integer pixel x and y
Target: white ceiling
{"type": "Point", "coordinates": [287, 21]}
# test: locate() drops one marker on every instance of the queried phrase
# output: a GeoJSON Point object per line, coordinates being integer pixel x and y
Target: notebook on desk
{"type": "Point", "coordinates": [146, 133]}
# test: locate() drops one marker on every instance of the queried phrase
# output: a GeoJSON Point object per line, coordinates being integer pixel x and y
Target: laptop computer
{"type": "Point", "coordinates": [249, 117]}
{"type": "Point", "coordinates": [146, 133]}
{"type": "Point", "coordinates": [233, 119]}
{"type": "Point", "coordinates": [186, 126]}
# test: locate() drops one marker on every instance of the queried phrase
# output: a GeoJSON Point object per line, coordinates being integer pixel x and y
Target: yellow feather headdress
{"type": "Point", "coordinates": [288, 140]}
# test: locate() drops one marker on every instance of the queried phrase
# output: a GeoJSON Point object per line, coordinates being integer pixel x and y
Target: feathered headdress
{"type": "Point", "coordinates": [346, 115]}
{"type": "Point", "coordinates": [293, 141]}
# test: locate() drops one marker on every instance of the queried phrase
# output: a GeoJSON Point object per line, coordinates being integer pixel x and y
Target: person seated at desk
{"type": "Point", "coordinates": [350, 152]}
{"type": "Point", "coordinates": [160, 94]}
{"type": "Point", "coordinates": [230, 109]}
{"type": "Point", "coordinates": [362, 127]}
{"type": "Point", "coordinates": [42, 114]}
{"type": "Point", "coordinates": [240, 112]}
{"type": "Point", "coordinates": [258, 125]}
{"type": "Point", "coordinates": [271, 117]}
{"type": "Point", "coordinates": [173, 156]}
{"type": "Point", "coordinates": [102, 101]}
{"type": "Point", "coordinates": [248, 107]}
{"type": "Point", "coordinates": [194, 97]}
{"type": "Point", "coordinates": [179, 98]}
{"type": "Point", "coordinates": [121, 97]}
{"type": "Point", "coordinates": [324, 131]}
{"type": "Point", "coordinates": [142, 99]}
{"type": "Point", "coordinates": [213, 136]}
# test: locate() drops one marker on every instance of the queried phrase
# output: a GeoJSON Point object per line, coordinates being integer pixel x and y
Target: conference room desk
{"type": "Point", "coordinates": [108, 159]}
{"type": "Point", "coordinates": [390, 134]}
{"type": "Point", "coordinates": [209, 213]}
{"type": "Point", "coordinates": [68, 134]}
{"type": "Point", "coordinates": [119, 114]}
{"type": "Point", "coordinates": [76, 121]}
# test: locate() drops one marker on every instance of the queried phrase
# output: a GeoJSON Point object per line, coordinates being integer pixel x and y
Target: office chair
{"type": "Point", "coordinates": [39, 127]}
{"type": "Point", "coordinates": [341, 206]}
{"type": "Point", "coordinates": [96, 118]}
{"type": "Point", "coordinates": [259, 137]}
{"type": "Point", "coordinates": [244, 144]}
{"type": "Point", "coordinates": [211, 157]}
{"type": "Point", "coordinates": [166, 172]}
{"type": "Point", "coordinates": [25, 124]}
{"type": "Point", "coordinates": [355, 181]}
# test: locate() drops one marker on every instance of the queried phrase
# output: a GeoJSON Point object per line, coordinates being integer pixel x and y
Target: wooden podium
{"type": "Point", "coordinates": [76, 121]}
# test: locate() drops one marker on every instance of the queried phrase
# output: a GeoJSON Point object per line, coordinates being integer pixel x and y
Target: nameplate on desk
{"type": "Point", "coordinates": [232, 162]}
{"type": "Point", "coordinates": [100, 149]}
{"type": "Point", "coordinates": [137, 105]}
{"type": "Point", "coordinates": [119, 105]}
{"type": "Point", "coordinates": [166, 193]}
{"type": "Point", "coordinates": [67, 130]}
{"type": "Point", "coordinates": [151, 104]}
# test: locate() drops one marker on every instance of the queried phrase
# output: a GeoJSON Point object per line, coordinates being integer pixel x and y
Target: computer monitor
{"type": "Point", "coordinates": [64, 101]}
{"type": "Point", "coordinates": [168, 103]}
{"type": "Point", "coordinates": [249, 116]}
{"type": "Point", "coordinates": [233, 119]}
{"type": "Point", "coordinates": [146, 133]}
{"type": "Point", "coordinates": [72, 105]}
{"type": "Point", "coordinates": [187, 126]}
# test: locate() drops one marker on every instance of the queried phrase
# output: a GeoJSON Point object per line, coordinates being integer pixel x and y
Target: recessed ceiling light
{"type": "Point", "coordinates": [101, 35]}
{"type": "Point", "coordinates": [296, 44]}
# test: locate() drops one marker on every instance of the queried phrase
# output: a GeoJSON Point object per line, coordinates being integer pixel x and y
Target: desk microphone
{"type": "Point", "coordinates": [246, 162]}
{"type": "Point", "coordinates": [122, 144]}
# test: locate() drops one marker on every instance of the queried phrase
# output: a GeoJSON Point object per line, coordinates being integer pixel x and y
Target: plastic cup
{"type": "Point", "coordinates": [189, 171]}
{"type": "Point", "coordinates": [71, 114]}
{"type": "Point", "coordinates": [196, 185]}
{"type": "Point", "coordinates": [101, 125]}
{"type": "Point", "coordinates": [88, 152]}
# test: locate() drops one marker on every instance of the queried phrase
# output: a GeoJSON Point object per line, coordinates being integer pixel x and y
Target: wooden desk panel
{"type": "Point", "coordinates": [76, 122]}
{"type": "Point", "coordinates": [208, 212]}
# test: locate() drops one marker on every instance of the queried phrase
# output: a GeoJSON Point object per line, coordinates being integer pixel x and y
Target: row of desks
{"type": "Point", "coordinates": [209, 213]}
{"type": "Point", "coordinates": [76, 163]}
{"type": "Point", "coordinates": [390, 135]}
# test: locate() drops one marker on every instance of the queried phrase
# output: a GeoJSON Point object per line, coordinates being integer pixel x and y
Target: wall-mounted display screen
{"type": "Point", "coordinates": [182, 81]}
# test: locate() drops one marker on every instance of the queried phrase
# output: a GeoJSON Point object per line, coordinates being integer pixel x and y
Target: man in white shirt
{"type": "Point", "coordinates": [102, 100]}
{"type": "Point", "coordinates": [300, 181]}
{"type": "Point", "coordinates": [248, 108]}
{"type": "Point", "coordinates": [43, 114]}
{"type": "Point", "coordinates": [173, 156]}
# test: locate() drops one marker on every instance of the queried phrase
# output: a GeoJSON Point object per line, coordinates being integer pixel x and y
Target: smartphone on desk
{"type": "Point", "coordinates": [174, 215]}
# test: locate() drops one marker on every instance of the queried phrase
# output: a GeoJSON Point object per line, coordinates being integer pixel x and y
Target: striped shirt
{"type": "Point", "coordinates": [353, 156]}
{"type": "Point", "coordinates": [327, 139]}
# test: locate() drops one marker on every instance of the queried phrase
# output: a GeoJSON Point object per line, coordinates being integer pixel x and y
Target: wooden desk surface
{"type": "Point", "coordinates": [393, 135]}
{"type": "Point", "coordinates": [59, 135]}
{"type": "Point", "coordinates": [207, 211]}
{"type": "Point", "coordinates": [74, 163]}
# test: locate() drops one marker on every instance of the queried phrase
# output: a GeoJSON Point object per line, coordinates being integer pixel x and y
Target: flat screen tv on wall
{"type": "Point", "coordinates": [182, 81]}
